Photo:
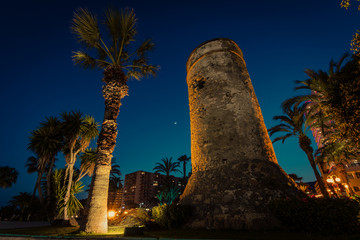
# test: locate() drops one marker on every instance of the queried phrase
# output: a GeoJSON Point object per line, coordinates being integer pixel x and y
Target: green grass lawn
{"type": "Point", "coordinates": [45, 231]}
{"type": "Point", "coordinates": [178, 234]}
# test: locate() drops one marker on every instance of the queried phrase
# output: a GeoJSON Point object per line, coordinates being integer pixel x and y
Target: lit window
{"type": "Point", "coordinates": [143, 173]}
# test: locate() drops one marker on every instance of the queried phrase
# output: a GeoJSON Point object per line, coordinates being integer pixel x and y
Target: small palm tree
{"type": "Point", "coordinates": [184, 159]}
{"type": "Point", "coordinates": [167, 166]}
{"type": "Point", "coordinates": [8, 176]}
{"type": "Point", "coordinates": [293, 125]}
{"type": "Point", "coordinates": [115, 56]}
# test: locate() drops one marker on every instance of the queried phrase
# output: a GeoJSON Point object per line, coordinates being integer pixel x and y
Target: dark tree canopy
{"type": "Point", "coordinates": [8, 176]}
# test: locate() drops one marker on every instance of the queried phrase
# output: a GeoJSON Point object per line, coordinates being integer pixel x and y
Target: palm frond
{"type": "Point", "coordinates": [83, 60]}
{"type": "Point", "coordinates": [146, 46]}
{"type": "Point", "coordinates": [127, 26]}
{"type": "Point", "coordinates": [283, 138]}
{"type": "Point", "coordinates": [113, 24]}
{"type": "Point", "coordinates": [284, 119]}
{"type": "Point", "coordinates": [85, 26]}
{"type": "Point", "coordinates": [279, 128]}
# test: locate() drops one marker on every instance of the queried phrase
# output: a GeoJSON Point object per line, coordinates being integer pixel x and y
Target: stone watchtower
{"type": "Point", "coordinates": [234, 167]}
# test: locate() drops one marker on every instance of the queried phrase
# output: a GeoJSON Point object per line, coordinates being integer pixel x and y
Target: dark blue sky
{"type": "Point", "coordinates": [279, 39]}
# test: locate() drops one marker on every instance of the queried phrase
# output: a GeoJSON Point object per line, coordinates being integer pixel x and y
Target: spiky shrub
{"type": "Point", "coordinates": [318, 215]}
{"type": "Point", "coordinates": [73, 206]}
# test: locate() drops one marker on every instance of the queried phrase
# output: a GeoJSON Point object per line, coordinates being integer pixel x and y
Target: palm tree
{"type": "Point", "coordinates": [115, 176]}
{"type": "Point", "coordinates": [119, 64]}
{"type": "Point", "coordinates": [53, 126]}
{"type": "Point", "coordinates": [22, 201]}
{"type": "Point", "coordinates": [8, 176]}
{"type": "Point", "coordinates": [78, 132]}
{"type": "Point", "coordinates": [293, 125]}
{"type": "Point", "coordinates": [46, 142]}
{"type": "Point", "coordinates": [32, 166]}
{"type": "Point", "coordinates": [167, 166]}
{"type": "Point", "coordinates": [184, 159]}
{"type": "Point", "coordinates": [87, 164]}
{"type": "Point", "coordinates": [323, 86]}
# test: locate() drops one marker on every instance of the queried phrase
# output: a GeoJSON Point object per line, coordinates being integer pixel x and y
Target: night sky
{"type": "Point", "coordinates": [279, 40]}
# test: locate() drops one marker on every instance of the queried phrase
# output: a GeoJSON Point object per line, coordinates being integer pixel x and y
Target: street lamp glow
{"type": "Point", "coordinates": [111, 214]}
{"type": "Point", "coordinates": [337, 179]}
{"type": "Point", "coordinates": [330, 180]}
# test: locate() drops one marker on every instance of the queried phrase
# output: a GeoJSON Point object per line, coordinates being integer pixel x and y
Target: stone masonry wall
{"type": "Point", "coordinates": [234, 167]}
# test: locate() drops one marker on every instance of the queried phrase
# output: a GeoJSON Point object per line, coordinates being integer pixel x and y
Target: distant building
{"type": "Point", "coordinates": [141, 188]}
{"type": "Point", "coordinates": [115, 198]}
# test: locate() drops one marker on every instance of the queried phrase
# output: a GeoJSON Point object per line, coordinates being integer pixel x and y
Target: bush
{"type": "Point", "coordinates": [135, 217]}
{"type": "Point", "coordinates": [170, 216]}
{"type": "Point", "coordinates": [318, 215]}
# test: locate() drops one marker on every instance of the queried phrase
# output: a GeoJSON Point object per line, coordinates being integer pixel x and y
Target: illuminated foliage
{"type": "Point", "coordinates": [355, 42]}
{"type": "Point", "coordinates": [346, 3]}
{"type": "Point", "coordinates": [344, 103]}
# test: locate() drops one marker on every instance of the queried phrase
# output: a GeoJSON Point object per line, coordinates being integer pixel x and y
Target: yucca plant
{"type": "Point", "coordinates": [73, 205]}
{"type": "Point", "coordinates": [112, 53]}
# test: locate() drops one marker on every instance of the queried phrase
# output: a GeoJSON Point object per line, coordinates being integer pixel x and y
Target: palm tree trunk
{"type": "Point", "coordinates": [68, 190]}
{"type": "Point", "coordinates": [304, 142]}
{"type": "Point", "coordinates": [317, 175]}
{"type": "Point", "coordinates": [38, 186]}
{"type": "Point", "coordinates": [114, 90]}
{"type": "Point", "coordinates": [184, 171]}
{"type": "Point", "coordinates": [48, 180]}
{"type": "Point", "coordinates": [50, 213]}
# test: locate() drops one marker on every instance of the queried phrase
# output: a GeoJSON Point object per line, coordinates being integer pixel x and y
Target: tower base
{"type": "Point", "coordinates": [236, 195]}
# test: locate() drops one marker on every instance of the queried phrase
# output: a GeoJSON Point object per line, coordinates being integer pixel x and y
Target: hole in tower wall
{"type": "Point", "coordinates": [198, 84]}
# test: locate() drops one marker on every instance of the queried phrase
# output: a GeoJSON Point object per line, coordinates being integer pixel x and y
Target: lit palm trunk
{"type": "Point", "coordinates": [119, 64]}
{"type": "Point", "coordinates": [114, 90]}
{"type": "Point", "coordinates": [304, 143]}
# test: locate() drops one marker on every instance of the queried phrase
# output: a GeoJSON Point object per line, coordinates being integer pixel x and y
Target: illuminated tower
{"type": "Point", "coordinates": [234, 167]}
